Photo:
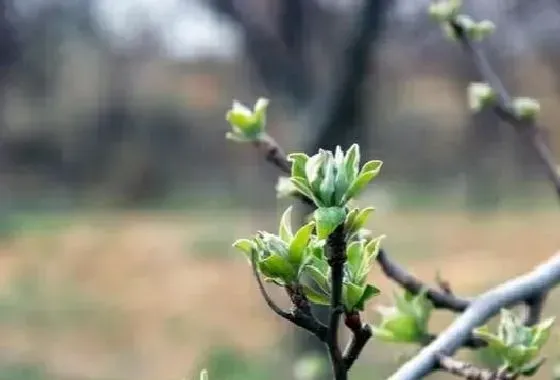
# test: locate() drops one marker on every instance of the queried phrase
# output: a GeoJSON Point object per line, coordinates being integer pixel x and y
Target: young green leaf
{"type": "Point", "coordinates": [315, 296]}
{"type": "Point", "coordinates": [327, 219]}
{"type": "Point", "coordinates": [351, 295]}
{"type": "Point", "coordinates": [298, 161]}
{"type": "Point", "coordinates": [245, 245]}
{"type": "Point", "coordinates": [362, 218]}
{"type": "Point", "coordinates": [277, 267]}
{"type": "Point", "coordinates": [319, 277]}
{"type": "Point", "coordinates": [300, 242]}
{"type": "Point", "coordinates": [369, 292]}
{"type": "Point", "coordinates": [285, 230]}
{"type": "Point", "coordinates": [303, 187]}
{"type": "Point", "coordinates": [352, 161]}
{"type": "Point", "coordinates": [354, 256]}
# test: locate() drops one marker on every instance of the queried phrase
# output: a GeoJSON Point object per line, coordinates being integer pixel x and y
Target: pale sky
{"type": "Point", "coordinates": [188, 28]}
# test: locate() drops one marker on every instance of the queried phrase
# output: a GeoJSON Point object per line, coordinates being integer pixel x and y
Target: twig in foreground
{"type": "Point", "coordinates": [439, 299]}
{"type": "Point", "coordinates": [504, 106]}
{"type": "Point", "coordinates": [469, 371]}
{"type": "Point", "coordinates": [302, 320]}
{"type": "Point", "coordinates": [538, 281]}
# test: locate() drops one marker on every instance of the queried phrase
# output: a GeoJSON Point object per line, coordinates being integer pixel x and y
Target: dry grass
{"type": "Point", "coordinates": [164, 305]}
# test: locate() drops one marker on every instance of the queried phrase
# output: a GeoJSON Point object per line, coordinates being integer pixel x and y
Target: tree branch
{"type": "Point", "coordinates": [442, 300]}
{"type": "Point", "coordinates": [469, 371]}
{"type": "Point", "coordinates": [538, 281]}
{"type": "Point", "coordinates": [298, 318]}
{"type": "Point", "coordinates": [361, 334]}
{"type": "Point", "coordinates": [504, 106]}
{"type": "Point", "coordinates": [534, 307]}
{"type": "Point", "coordinates": [336, 257]}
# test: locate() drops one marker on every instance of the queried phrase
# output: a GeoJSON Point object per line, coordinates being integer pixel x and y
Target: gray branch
{"type": "Point", "coordinates": [540, 280]}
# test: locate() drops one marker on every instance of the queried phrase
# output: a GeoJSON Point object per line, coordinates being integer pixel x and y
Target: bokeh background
{"type": "Point", "coordinates": [120, 197]}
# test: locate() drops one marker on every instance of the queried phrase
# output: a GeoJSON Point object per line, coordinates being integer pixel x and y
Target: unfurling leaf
{"type": "Point", "coordinates": [525, 108]}
{"type": "Point", "coordinates": [480, 95]}
{"type": "Point", "coordinates": [327, 219]}
{"type": "Point", "coordinates": [246, 124]}
{"type": "Point", "coordinates": [285, 231]}
{"type": "Point", "coordinates": [515, 344]}
{"type": "Point", "coordinates": [316, 297]}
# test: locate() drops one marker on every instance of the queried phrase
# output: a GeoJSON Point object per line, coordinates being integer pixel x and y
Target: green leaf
{"type": "Point", "coordinates": [240, 116]}
{"type": "Point", "coordinates": [285, 231]}
{"type": "Point", "coordinates": [328, 219]}
{"type": "Point", "coordinates": [313, 166]}
{"type": "Point", "coordinates": [542, 332]}
{"type": "Point", "coordinates": [403, 302]}
{"type": "Point", "coordinates": [259, 112]}
{"type": "Point", "coordinates": [300, 242]}
{"type": "Point", "coordinates": [403, 327]}
{"type": "Point", "coordinates": [327, 185]}
{"type": "Point", "coordinates": [316, 297]}
{"type": "Point", "coordinates": [494, 342]}
{"type": "Point", "coordinates": [520, 355]}
{"type": "Point", "coordinates": [244, 245]}
{"type": "Point", "coordinates": [352, 161]}
{"type": "Point", "coordinates": [319, 277]}
{"type": "Point", "coordinates": [340, 184]}
{"type": "Point", "coordinates": [480, 95]}
{"type": "Point", "coordinates": [373, 246]}
{"type": "Point", "coordinates": [529, 370]}
{"type": "Point", "coordinates": [525, 108]}
{"type": "Point", "coordinates": [372, 166]}
{"type": "Point", "coordinates": [370, 291]}
{"type": "Point", "coordinates": [354, 256]}
{"type": "Point", "coordinates": [350, 220]}
{"type": "Point", "coordinates": [276, 266]}
{"type": "Point", "coordinates": [384, 335]}
{"type": "Point", "coordinates": [359, 184]}
{"type": "Point", "coordinates": [351, 294]}
{"type": "Point", "coordinates": [362, 217]}
{"type": "Point", "coordinates": [302, 186]}
{"type": "Point", "coordinates": [298, 161]}
{"type": "Point", "coordinates": [285, 188]}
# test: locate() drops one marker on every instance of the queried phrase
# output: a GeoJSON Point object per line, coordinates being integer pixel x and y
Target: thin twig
{"type": "Point", "coordinates": [300, 319]}
{"type": "Point", "coordinates": [469, 371]}
{"type": "Point", "coordinates": [336, 257]}
{"type": "Point", "coordinates": [538, 281]}
{"type": "Point", "coordinates": [273, 153]}
{"type": "Point", "coordinates": [361, 334]}
{"type": "Point", "coordinates": [398, 274]}
{"type": "Point", "coordinates": [504, 108]}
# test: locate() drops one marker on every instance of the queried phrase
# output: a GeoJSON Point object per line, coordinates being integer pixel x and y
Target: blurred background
{"type": "Point", "coordinates": [120, 197]}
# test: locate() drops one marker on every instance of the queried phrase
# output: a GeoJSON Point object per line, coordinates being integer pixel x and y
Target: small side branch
{"type": "Point", "coordinates": [273, 153]}
{"type": "Point", "coordinates": [299, 318]}
{"type": "Point", "coordinates": [361, 334]}
{"type": "Point", "coordinates": [440, 299]}
{"type": "Point", "coordinates": [503, 107]}
{"type": "Point", "coordinates": [469, 371]}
